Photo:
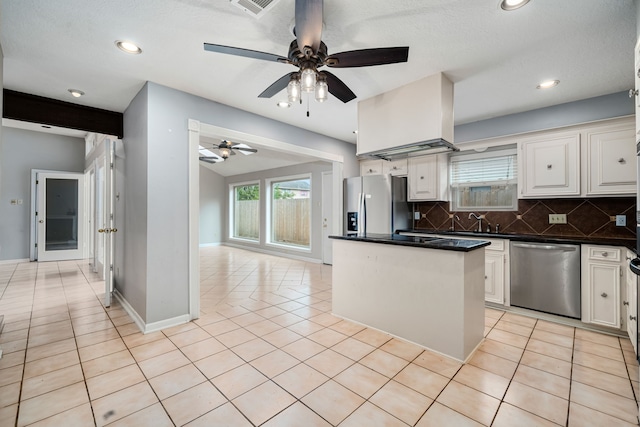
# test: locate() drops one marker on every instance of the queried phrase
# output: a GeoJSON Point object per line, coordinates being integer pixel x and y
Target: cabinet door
{"type": "Point", "coordinates": [550, 167]}
{"type": "Point", "coordinates": [611, 162]}
{"type": "Point", "coordinates": [630, 304]}
{"type": "Point", "coordinates": [427, 178]}
{"type": "Point", "coordinates": [395, 167]}
{"type": "Point", "coordinates": [494, 264]}
{"type": "Point", "coordinates": [604, 294]}
{"type": "Point", "coordinates": [370, 167]}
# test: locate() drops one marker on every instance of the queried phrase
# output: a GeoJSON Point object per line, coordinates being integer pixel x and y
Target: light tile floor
{"type": "Point", "coordinates": [267, 351]}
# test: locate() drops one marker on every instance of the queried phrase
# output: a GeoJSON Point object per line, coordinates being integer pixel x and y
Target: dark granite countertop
{"type": "Point", "coordinates": [630, 244]}
{"type": "Point", "coordinates": [452, 244]}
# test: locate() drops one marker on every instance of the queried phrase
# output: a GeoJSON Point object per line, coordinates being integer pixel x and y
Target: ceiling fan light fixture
{"type": "Point", "coordinates": [224, 152]}
{"type": "Point", "coordinates": [322, 90]}
{"type": "Point", "coordinates": [510, 5]}
{"type": "Point", "coordinates": [308, 80]}
{"type": "Point", "coordinates": [293, 90]}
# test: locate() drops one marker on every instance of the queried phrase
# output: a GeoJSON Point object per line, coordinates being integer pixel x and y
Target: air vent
{"type": "Point", "coordinates": [255, 8]}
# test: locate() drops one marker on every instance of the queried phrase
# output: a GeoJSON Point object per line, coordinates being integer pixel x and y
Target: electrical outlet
{"type": "Point", "coordinates": [621, 220]}
{"type": "Point", "coordinates": [557, 218]}
{"type": "Point", "coordinates": [416, 216]}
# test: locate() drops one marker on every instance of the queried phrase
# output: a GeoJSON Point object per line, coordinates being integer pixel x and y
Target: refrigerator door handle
{"type": "Point", "coordinates": [362, 215]}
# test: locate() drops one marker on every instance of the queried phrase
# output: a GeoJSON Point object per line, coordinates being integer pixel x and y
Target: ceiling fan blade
{"type": "Point", "coordinates": [246, 150]}
{"type": "Point", "coordinates": [247, 53]}
{"type": "Point", "coordinates": [337, 87]}
{"type": "Point", "coordinates": [276, 86]}
{"type": "Point", "coordinates": [368, 57]}
{"type": "Point", "coordinates": [308, 25]}
{"type": "Point", "coordinates": [212, 160]}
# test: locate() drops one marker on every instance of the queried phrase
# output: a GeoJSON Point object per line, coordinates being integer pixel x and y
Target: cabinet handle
{"type": "Point", "coordinates": [370, 170]}
{"type": "Point", "coordinates": [485, 277]}
{"type": "Point", "coordinates": [633, 92]}
{"type": "Point", "coordinates": [632, 317]}
{"type": "Point", "coordinates": [605, 254]}
{"type": "Point", "coordinates": [422, 177]}
{"type": "Point", "coordinates": [396, 168]}
{"type": "Point", "coordinates": [549, 166]}
{"type": "Point", "coordinates": [604, 295]}
{"type": "Point", "coordinates": [622, 161]}
{"type": "Point", "coordinates": [625, 302]}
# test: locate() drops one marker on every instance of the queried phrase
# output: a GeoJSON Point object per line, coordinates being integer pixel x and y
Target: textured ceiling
{"type": "Point", "coordinates": [495, 58]}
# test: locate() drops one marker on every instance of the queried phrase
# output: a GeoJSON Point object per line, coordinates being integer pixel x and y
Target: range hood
{"type": "Point", "coordinates": [411, 120]}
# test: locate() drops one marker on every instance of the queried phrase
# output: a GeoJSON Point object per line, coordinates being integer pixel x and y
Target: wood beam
{"type": "Point", "coordinates": [47, 111]}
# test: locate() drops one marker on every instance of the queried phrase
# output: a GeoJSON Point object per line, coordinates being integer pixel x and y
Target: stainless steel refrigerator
{"type": "Point", "coordinates": [376, 204]}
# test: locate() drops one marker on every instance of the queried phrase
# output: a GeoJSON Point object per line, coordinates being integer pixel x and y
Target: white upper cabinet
{"type": "Point", "coordinates": [395, 167]}
{"type": "Point", "coordinates": [611, 161]}
{"type": "Point", "coordinates": [597, 159]}
{"type": "Point", "coordinates": [428, 178]}
{"type": "Point", "coordinates": [550, 166]}
{"type": "Point", "coordinates": [370, 167]}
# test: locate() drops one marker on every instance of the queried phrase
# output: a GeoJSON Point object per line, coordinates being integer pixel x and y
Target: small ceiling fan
{"type": "Point", "coordinates": [308, 53]}
{"type": "Point", "coordinates": [226, 149]}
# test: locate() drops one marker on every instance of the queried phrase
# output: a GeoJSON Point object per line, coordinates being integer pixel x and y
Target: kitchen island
{"type": "Point", "coordinates": [426, 290]}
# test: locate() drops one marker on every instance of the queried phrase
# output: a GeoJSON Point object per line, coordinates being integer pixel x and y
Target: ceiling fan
{"type": "Point", "coordinates": [308, 53]}
{"type": "Point", "coordinates": [226, 149]}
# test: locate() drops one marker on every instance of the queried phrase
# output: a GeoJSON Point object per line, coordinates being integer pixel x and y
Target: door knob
{"type": "Point", "coordinates": [114, 230]}
{"type": "Point", "coordinates": [101, 230]}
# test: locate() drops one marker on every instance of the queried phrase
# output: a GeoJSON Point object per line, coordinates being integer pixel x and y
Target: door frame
{"type": "Point", "coordinates": [81, 222]}
{"type": "Point", "coordinates": [196, 129]}
{"type": "Point", "coordinates": [327, 198]}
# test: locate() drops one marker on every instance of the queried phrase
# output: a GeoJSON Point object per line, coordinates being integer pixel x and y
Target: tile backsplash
{"type": "Point", "coordinates": [594, 217]}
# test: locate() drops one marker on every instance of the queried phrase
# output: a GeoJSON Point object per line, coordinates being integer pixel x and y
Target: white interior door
{"type": "Point", "coordinates": [60, 216]}
{"type": "Point", "coordinates": [105, 214]}
{"type": "Point", "coordinates": [327, 217]}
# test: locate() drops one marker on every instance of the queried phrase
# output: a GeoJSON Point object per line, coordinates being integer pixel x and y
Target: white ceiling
{"type": "Point", "coordinates": [495, 58]}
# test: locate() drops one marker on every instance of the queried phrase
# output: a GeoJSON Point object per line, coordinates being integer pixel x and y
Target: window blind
{"type": "Point", "coordinates": [487, 168]}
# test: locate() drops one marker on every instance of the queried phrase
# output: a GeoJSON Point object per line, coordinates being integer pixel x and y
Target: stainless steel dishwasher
{"type": "Point", "coordinates": [546, 277]}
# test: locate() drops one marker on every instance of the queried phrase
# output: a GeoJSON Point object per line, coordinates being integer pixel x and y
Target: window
{"type": "Point", "coordinates": [484, 181]}
{"type": "Point", "coordinates": [246, 211]}
{"type": "Point", "coordinates": [290, 222]}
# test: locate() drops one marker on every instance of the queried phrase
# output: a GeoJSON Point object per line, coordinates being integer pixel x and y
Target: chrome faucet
{"type": "Point", "coordinates": [453, 222]}
{"type": "Point", "coordinates": [479, 218]}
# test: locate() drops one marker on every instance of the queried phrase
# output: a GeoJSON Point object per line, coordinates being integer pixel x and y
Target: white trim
{"type": "Point", "coordinates": [147, 328]}
{"type": "Point", "coordinates": [231, 207]}
{"type": "Point", "coordinates": [268, 252]}
{"type": "Point", "coordinates": [207, 245]}
{"type": "Point", "coordinates": [130, 310]}
{"type": "Point", "coordinates": [193, 168]}
{"type": "Point", "coordinates": [268, 238]}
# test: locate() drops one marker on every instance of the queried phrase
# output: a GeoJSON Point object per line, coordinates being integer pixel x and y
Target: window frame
{"type": "Point", "coordinates": [487, 154]}
{"type": "Point", "coordinates": [232, 200]}
{"type": "Point", "coordinates": [269, 241]}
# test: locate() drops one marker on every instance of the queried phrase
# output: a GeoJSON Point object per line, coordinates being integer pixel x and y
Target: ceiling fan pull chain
{"type": "Point", "coordinates": [307, 106]}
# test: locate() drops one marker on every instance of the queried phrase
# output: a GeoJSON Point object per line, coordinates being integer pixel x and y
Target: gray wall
{"type": "Point", "coordinates": [315, 169]}
{"type": "Point", "coordinates": [131, 241]}
{"type": "Point", "coordinates": [21, 151]}
{"type": "Point", "coordinates": [571, 113]}
{"type": "Point", "coordinates": [212, 206]}
{"type": "Point", "coordinates": [154, 246]}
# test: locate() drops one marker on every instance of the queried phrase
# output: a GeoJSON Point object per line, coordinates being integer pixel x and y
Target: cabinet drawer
{"type": "Point", "coordinates": [604, 253]}
{"type": "Point", "coordinates": [370, 167]}
{"type": "Point", "coordinates": [395, 167]}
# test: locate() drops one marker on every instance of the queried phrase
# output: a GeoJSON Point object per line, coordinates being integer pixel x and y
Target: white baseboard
{"type": "Point", "coordinates": [206, 245]}
{"type": "Point", "coordinates": [14, 261]}
{"type": "Point", "coordinates": [147, 328]}
{"type": "Point", "coordinates": [274, 253]}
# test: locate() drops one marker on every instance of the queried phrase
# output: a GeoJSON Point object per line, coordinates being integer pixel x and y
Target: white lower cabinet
{"type": "Point", "coordinates": [601, 274]}
{"type": "Point", "coordinates": [630, 302]}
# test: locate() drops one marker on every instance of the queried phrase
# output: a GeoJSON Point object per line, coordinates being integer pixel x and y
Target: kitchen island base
{"type": "Point", "coordinates": [431, 297]}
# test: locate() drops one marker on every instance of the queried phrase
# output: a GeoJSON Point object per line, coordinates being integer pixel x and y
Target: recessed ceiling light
{"type": "Point", "coordinates": [548, 84]}
{"type": "Point", "coordinates": [283, 104]}
{"type": "Point", "coordinates": [76, 93]}
{"type": "Point", "coordinates": [128, 47]}
{"type": "Point", "coordinates": [512, 4]}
